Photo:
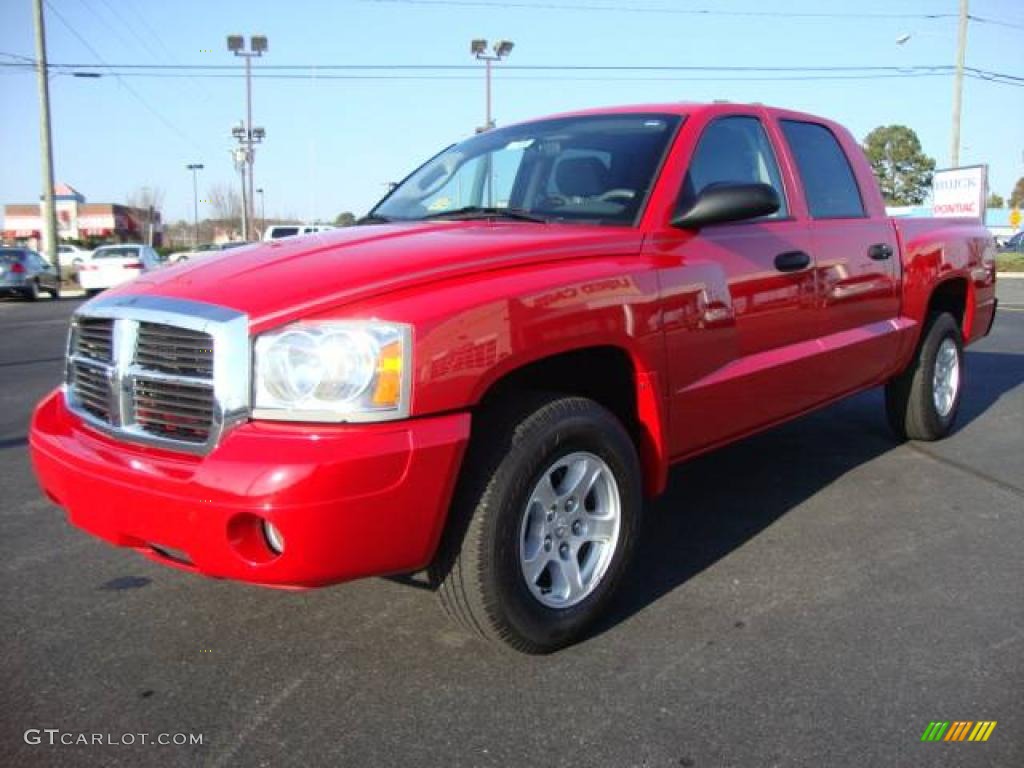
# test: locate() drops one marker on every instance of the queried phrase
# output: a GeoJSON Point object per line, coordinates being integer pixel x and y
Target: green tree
{"type": "Point", "coordinates": [346, 219]}
{"type": "Point", "coordinates": [995, 201]}
{"type": "Point", "coordinates": [1017, 196]}
{"type": "Point", "coordinates": [903, 171]}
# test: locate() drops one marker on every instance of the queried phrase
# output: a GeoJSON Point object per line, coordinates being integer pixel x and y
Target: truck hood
{"type": "Point", "coordinates": [281, 280]}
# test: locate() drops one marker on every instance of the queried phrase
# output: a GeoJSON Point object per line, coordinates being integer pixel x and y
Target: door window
{"type": "Point", "coordinates": [828, 180]}
{"type": "Point", "coordinates": [733, 150]}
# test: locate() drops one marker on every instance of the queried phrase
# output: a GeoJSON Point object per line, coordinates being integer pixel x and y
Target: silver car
{"type": "Point", "coordinates": [24, 272]}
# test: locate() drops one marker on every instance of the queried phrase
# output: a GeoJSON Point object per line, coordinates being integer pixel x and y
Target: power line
{"type": "Point", "coordinates": [512, 71]}
{"type": "Point", "coordinates": [319, 68]}
{"type": "Point", "coordinates": [994, 22]}
{"type": "Point", "coordinates": [543, 78]}
{"type": "Point", "coordinates": [749, 78]}
{"type": "Point", "coordinates": [120, 79]}
{"type": "Point", "coordinates": [706, 12]}
{"type": "Point", "coordinates": [142, 38]}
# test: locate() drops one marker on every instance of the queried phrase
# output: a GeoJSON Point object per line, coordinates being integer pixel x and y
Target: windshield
{"type": "Point", "coordinates": [595, 169]}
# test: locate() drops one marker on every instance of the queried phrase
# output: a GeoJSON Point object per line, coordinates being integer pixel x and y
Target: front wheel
{"type": "Point", "coordinates": [922, 402]}
{"type": "Point", "coordinates": [543, 524]}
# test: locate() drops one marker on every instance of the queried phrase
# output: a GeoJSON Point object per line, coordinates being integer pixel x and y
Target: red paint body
{"type": "Point", "coordinates": [721, 346]}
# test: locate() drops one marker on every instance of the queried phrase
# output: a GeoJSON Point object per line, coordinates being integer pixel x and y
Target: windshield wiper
{"type": "Point", "coordinates": [373, 218]}
{"type": "Point", "coordinates": [483, 212]}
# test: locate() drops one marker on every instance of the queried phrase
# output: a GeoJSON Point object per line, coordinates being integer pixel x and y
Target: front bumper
{"type": "Point", "coordinates": [350, 501]}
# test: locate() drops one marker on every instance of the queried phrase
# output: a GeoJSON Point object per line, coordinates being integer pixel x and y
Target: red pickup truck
{"type": "Point", "coordinates": [486, 378]}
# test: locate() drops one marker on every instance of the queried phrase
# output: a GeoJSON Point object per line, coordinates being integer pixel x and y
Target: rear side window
{"type": "Point", "coordinates": [825, 171]}
{"type": "Point", "coordinates": [277, 232]}
{"type": "Point", "coordinates": [733, 150]}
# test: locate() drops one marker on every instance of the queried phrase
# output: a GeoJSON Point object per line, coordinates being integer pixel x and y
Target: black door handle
{"type": "Point", "coordinates": [792, 261]}
{"type": "Point", "coordinates": [880, 251]}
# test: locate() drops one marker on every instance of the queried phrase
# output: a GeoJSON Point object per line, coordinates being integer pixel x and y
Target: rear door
{"type": "Point", "coordinates": [46, 273]}
{"type": "Point", "coordinates": [738, 298]}
{"type": "Point", "coordinates": [857, 259]}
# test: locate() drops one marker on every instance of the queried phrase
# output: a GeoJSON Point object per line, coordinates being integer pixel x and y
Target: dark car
{"type": "Point", "coordinates": [1014, 244]}
{"type": "Point", "coordinates": [25, 273]}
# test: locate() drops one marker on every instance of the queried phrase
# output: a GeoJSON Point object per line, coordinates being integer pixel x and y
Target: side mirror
{"type": "Point", "coordinates": [721, 203]}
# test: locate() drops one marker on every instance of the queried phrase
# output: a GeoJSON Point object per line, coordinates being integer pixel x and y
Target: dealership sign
{"type": "Point", "coordinates": [960, 191]}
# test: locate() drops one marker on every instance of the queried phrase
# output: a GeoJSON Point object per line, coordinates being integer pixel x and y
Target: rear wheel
{"type": "Point", "coordinates": [543, 523]}
{"type": "Point", "coordinates": [32, 291]}
{"type": "Point", "coordinates": [922, 402]}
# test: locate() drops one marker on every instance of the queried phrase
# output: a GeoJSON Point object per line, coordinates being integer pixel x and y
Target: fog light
{"type": "Point", "coordinates": [273, 536]}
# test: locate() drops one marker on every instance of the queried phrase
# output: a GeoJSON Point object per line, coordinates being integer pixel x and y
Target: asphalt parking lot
{"type": "Point", "coordinates": [813, 596]}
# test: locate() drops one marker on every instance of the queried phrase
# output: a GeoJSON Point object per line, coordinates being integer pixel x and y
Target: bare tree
{"type": "Point", "coordinates": [149, 200]}
{"type": "Point", "coordinates": [147, 197]}
{"type": "Point", "coordinates": [225, 202]}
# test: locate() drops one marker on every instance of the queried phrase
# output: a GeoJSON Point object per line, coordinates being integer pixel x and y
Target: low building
{"type": "Point", "coordinates": [79, 220]}
{"type": "Point", "coordinates": [996, 219]}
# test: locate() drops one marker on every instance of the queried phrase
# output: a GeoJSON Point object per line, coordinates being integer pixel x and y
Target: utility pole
{"type": "Point", "coordinates": [478, 48]}
{"type": "Point", "coordinates": [251, 136]}
{"type": "Point", "coordinates": [49, 208]}
{"type": "Point", "coordinates": [958, 84]}
{"type": "Point", "coordinates": [195, 167]}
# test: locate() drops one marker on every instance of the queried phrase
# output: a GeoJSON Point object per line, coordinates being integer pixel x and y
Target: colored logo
{"type": "Point", "coordinates": [958, 730]}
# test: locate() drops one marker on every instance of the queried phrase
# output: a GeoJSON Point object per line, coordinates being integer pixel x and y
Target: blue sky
{"type": "Point", "coordinates": [332, 144]}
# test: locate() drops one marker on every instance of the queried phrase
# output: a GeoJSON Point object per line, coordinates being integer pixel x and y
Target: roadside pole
{"type": "Point", "coordinates": [958, 84]}
{"type": "Point", "coordinates": [49, 209]}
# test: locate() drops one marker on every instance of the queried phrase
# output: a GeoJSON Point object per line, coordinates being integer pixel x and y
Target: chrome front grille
{"type": "Point", "coordinates": [94, 338]}
{"type": "Point", "coordinates": [171, 349]}
{"type": "Point", "coordinates": [174, 411]}
{"type": "Point", "coordinates": [91, 388]}
{"type": "Point", "coordinates": [168, 372]}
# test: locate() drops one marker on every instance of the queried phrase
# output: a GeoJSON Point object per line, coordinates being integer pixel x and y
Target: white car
{"type": "Point", "coordinates": [72, 257]}
{"type": "Point", "coordinates": [206, 249]}
{"type": "Point", "coordinates": [278, 231]}
{"type": "Point", "coordinates": [112, 265]}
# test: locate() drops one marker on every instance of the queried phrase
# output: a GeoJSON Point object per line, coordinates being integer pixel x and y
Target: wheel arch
{"type": "Point", "coordinates": [953, 295]}
{"type": "Point", "coordinates": [607, 374]}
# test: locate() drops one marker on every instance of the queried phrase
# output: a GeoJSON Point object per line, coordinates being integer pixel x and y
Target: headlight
{"type": "Point", "coordinates": [333, 371]}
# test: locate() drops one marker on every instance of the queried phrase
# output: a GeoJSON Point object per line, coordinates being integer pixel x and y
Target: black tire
{"type": "Point", "coordinates": [32, 291]}
{"type": "Point", "coordinates": [909, 398]}
{"type": "Point", "coordinates": [481, 584]}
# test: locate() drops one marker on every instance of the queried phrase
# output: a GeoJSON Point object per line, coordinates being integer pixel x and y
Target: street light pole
{"type": "Point", "coordinates": [46, 150]}
{"type": "Point", "coordinates": [502, 49]}
{"type": "Point", "coordinates": [252, 135]}
{"type": "Point", "coordinates": [488, 120]}
{"type": "Point", "coordinates": [263, 213]}
{"type": "Point", "coordinates": [958, 84]}
{"type": "Point", "coordinates": [248, 125]}
{"type": "Point", "coordinates": [240, 163]}
{"type": "Point", "coordinates": [195, 167]}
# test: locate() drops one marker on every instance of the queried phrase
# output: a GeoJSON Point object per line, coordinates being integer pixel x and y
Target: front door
{"type": "Point", "coordinates": [738, 300]}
